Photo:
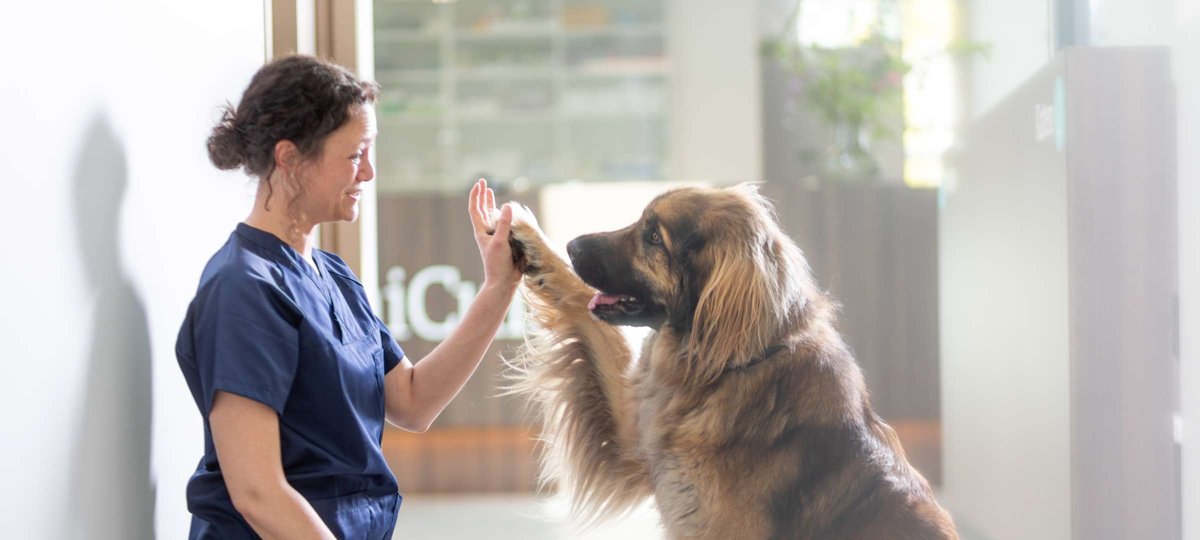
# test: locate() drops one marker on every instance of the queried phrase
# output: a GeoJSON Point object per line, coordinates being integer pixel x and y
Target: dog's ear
{"type": "Point", "coordinates": [753, 282]}
{"type": "Point", "coordinates": [690, 276]}
{"type": "Point", "coordinates": [734, 317]}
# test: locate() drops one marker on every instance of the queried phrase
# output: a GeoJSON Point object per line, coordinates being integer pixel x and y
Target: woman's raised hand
{"type": "Point", "coordinates": [498, 268]}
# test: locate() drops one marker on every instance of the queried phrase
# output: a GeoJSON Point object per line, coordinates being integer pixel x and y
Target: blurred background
{"type": "Point", "coordinates": [1005, 197]}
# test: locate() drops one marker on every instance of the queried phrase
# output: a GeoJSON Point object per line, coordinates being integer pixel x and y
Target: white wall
{"type": "Point", "coordinates": [1186, 52]}
{"type": "Point", "coordinates": [1003, 307]}
{"type": "Point", "coordinates": [1175, 24]}
{"type": "Point", "coordinates": [716, 111]}
{"type": "Point", "coordinates": [110, 212]}
{"type": "Point", "coordinates": [1019, 34]}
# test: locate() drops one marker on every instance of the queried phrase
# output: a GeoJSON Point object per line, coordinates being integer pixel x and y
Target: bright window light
{"type": "Point", "coordinates": [931, 103]}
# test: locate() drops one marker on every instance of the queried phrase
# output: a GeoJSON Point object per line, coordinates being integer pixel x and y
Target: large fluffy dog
{"type": "Point", "coordinates": [745, 415]}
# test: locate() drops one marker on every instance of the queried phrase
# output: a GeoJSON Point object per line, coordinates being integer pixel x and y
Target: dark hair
{"type": "Point", "coordinates": [298, 98]}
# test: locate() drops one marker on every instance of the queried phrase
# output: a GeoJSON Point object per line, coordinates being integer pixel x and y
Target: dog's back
{"type": "Point", "coordinates": [856, 481]}
{"type": "Point", "coordinates": [788, 447]}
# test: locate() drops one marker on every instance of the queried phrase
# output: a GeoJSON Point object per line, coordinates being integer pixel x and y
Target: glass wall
{"type": "Point", "coordinates": [523, 92]}
{"type": "Point", "coordinates": [1000, 195]}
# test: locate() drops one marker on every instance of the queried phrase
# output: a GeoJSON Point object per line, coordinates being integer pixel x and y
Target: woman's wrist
{"type": "Point", "coordinates": [499, 289]}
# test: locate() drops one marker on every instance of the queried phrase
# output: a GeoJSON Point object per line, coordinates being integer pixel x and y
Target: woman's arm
{"type": "Point", "coordinates": [416, 395]}
{"type": "Point", "coordinates": [246, 434]}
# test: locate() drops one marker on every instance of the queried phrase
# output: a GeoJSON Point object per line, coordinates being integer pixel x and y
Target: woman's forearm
{"type": "Point", "coordinates": [441, 375]}
{"type": "Point", "coordinates": [281, 512]}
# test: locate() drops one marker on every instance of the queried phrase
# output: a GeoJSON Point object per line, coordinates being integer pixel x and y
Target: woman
{"type": "Point", "coordinates": [292, 372]}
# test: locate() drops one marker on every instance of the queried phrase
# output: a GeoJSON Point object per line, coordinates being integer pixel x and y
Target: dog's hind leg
{"type": "Point", "coordinates": [574, 370]}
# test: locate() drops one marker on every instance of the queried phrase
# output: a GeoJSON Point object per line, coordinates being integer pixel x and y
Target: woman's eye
{"type": "Point", "coordinates": [356, 157]}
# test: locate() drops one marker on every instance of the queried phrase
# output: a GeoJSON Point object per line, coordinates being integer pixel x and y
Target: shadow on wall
{"type": "Point", "coordinates": [112, 495]}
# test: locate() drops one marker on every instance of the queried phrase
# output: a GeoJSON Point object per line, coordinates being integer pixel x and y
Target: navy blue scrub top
{"type": "Point", "coordinates": [266, 326]}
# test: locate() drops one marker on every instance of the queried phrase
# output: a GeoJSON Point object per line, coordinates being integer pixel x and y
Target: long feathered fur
{"type": "Point", "coordinates": [732, 444]}
{"type": "Point", "coordinates": [584, 450]}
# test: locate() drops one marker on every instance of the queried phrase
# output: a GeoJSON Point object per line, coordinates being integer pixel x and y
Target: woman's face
{"type": "Point", "coordinates": [332, 183]}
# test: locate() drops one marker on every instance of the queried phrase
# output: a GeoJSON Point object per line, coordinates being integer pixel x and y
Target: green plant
{"type": "Point", "coordinates": [859, 85]}
{"type": "Point", "coordinates": [856, 90]}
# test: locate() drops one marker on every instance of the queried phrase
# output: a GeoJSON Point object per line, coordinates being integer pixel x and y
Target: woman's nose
{"type": "Point", "coordinates": [366, 172]}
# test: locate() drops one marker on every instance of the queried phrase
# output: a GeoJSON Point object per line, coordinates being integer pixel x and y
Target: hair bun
{"type": "Point", "coordinates": [226, 148]}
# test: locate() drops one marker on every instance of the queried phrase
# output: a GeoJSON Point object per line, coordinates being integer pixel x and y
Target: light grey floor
{"type": "Point", "coordinates": [526, 517]}
{"type": "Point", "coordinates": [511, 517]}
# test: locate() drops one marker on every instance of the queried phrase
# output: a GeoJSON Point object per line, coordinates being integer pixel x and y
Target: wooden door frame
{"type": "Point", "coordinates": [341, 31]}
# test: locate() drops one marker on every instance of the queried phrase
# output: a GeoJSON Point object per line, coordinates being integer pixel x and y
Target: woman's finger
{"type": "Point", "coordinates": [503, 224]}
{"type": "Point", "coordinates": [477, 219]}
{"type": "Point", "coordinates": [481, 185]}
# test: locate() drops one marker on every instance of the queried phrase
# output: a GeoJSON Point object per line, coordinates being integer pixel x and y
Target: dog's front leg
{"type": "Point", "coordinates": [547, 276]}
{"type": "Point", "coordinates": [559, 299]}
{"type": "Point", "coordinates": [576, 371]}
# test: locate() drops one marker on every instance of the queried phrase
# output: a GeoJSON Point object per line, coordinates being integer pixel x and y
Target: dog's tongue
{"type": "Point", "coordinates": [602, 299]}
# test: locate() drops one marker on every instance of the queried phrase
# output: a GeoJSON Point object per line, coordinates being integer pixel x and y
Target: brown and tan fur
{"type": "Point", "coordinates": [732, 443]}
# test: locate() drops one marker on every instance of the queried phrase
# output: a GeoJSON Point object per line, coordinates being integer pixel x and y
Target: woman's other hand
{"type": "Point", "coordinates": [498, 268]}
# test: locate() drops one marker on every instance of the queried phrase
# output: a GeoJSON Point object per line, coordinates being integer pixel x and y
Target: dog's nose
{"type": "Point", "coordinates": [574, 249]}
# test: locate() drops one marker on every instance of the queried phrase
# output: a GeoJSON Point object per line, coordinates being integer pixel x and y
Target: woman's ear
{"type": "Point", "coordinates": [287, 157]}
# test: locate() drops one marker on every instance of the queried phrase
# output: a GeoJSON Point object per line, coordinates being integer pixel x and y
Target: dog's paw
{"type": "Point", "coordinates": [526, 241]}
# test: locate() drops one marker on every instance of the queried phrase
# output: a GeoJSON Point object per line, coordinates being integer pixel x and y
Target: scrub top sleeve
{"type": "Point", "coordinates": [392, 353]}
{"type": "Point", "coordinates": [254, 335]}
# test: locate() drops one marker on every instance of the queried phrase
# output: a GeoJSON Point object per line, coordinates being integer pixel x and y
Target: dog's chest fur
{"type": "Point", "coordinates": [677, 448]}
{"type": "Point", "coordinates": [677, 483]}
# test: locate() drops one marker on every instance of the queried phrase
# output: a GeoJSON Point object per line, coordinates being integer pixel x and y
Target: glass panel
{"type": "Point", "coordinates": [514, 90]}
{"type": "Point", "coordinates": [530, 94]}
{"type": "Point", "coordinates": [1010, 227]}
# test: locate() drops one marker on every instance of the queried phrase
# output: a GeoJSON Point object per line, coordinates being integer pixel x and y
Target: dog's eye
{"type": "Point", "coordinates": [654, 237]}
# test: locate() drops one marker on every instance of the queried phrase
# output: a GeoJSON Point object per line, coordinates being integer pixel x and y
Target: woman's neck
{"type": "Point", "coordinates": [275, 219]}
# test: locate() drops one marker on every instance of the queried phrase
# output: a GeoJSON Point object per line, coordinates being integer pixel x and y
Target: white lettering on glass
{"type": "Point", "coordinates": [406, 309]}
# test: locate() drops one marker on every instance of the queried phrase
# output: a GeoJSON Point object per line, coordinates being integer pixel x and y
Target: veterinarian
{"type": "Point", "coordinates": [292, 372]}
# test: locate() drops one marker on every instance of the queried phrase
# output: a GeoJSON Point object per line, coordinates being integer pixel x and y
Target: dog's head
{"type": "Point", "coordinates": [710, 265]}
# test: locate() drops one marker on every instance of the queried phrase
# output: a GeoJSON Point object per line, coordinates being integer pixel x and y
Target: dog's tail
{"type": "Point", "coordinates": [566, 384]}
